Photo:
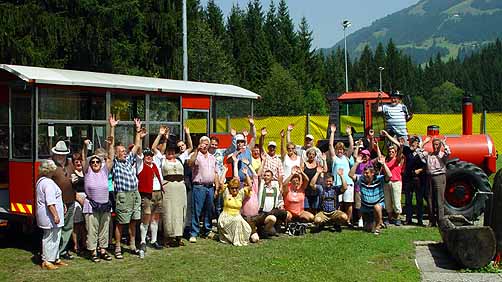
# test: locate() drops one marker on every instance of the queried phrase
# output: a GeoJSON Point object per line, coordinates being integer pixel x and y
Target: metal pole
{"type": "Point", "coordinates": [185, 42]}
{"type": "Point", "coordinates": [346, 70]}
{"type": "Point", "coordinates": [380, 81]}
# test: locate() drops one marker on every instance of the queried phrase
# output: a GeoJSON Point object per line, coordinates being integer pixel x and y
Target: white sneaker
{"type": "Point", "coordinates": [360, 223]}
{"type": "Point", "coordinates": [193, 240]}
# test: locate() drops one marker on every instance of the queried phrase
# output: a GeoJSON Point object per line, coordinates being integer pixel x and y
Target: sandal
{"type": "Point", "coordinates": [106, 256]}
{"type": "Point", "coordinates": [94, 258]}
{"type": "Point", "coordinates": [118, 255]}
{"type": "Point", "coordinates": [377, 232]}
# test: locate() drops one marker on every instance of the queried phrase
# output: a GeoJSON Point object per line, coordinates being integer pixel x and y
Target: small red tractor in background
{"type": "Point", "coordinates": [473, 156]}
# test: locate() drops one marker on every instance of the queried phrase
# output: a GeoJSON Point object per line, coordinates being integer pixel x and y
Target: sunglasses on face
{"type": "Point", "coordinates": [95, 162]}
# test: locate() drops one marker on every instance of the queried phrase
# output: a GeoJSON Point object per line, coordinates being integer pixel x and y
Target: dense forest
{"type": "Point", "coordinates": [259, 48]}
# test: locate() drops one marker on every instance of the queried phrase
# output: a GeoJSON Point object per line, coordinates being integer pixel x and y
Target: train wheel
{"type": "Point", "coordinates": [463, 180]}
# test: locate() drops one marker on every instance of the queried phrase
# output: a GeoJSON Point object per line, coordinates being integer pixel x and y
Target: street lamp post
{"type": "Point", "coordinates": [380, 69]}
{"type": "Point", "coordinates": [346, 24]}
{"type": "Point", "coordinates": [185, 41]}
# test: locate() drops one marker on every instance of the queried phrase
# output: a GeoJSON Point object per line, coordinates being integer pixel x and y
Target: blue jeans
{"type": "Point", "coordinates": [202, 202]}
{"type": "Point", "coordinates": [312, 198]}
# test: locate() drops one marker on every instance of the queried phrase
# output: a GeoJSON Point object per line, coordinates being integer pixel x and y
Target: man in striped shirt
{"type": "Point", "coordinates": [371, 185]}
{"type": "Point", "coordinates": [396, 115]}
{"type": "Point", "coordinates": [128, 205]}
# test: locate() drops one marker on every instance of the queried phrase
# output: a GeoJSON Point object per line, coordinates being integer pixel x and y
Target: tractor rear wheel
{"type": "Point", "coordinates": [463, 181]}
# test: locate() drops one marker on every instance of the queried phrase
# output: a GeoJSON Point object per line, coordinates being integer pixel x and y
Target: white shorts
{"type": "Point", "coordinates": [348, 195]}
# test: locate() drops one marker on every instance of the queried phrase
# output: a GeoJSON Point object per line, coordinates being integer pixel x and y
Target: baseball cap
{"type": "Point", "coordinates": [365, 152]}
{"type": "Point", "coordinates": [309, 136]}
{"type": "Point", "coordinates": [240, 137]}
{"type": "Point", "coordinates": [272, 143]}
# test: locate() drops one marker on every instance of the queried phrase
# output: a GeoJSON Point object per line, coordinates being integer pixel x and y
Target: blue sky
{"type": "Point", "coordinates": [325, 16]}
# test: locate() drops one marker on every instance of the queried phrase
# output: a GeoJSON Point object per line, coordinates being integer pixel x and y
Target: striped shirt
{"type": "Point", "coordinates": [371, 194]}
{"type": "Point", "coordinates": [124, 174]}
{"type": "Point", "coordinates": [96, 187]}
{"type": "Point", "coordinates": [395, 118]}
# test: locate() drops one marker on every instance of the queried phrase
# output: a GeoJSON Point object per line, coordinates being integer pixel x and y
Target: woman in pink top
{"type": "Point", "coordinates": [293, 191]}
{"type": "Point", "coordinates": [393, 189]}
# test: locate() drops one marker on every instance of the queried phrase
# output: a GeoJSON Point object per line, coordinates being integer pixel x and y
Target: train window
{"type": "Point", "coordinates": [74, 136]}
{"type": "Point", "coordinates": [71, 105]}
{"type": "Point", "coordinates": [230, 113]}
{"type": "Point", "coordinates": [126, 107]}
{"type": "Point", "coordinates": [163, 108]}
{"type": "Point", "coordinates": [21, 124]}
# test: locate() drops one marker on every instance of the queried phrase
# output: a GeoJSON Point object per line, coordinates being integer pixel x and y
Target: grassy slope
{"type": "Point", "coordinates": [346, 256]}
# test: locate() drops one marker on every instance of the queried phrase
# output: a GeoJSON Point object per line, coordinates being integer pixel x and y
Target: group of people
{"type": "Point", "coordinates": [180, 190]}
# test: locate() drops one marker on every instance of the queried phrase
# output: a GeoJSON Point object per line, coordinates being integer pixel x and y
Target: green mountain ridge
{"type": "Point", "coordinates": [452, 28]}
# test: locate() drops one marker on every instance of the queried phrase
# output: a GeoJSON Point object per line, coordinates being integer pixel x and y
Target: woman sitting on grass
{"type": "Point", "coordinates": [293, 192]}
{"type": "Point", "coordinates": [232, 227]}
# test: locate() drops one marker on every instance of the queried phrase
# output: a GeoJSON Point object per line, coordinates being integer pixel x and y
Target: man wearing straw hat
{"type": "Point", "coordinates": [62, 177]}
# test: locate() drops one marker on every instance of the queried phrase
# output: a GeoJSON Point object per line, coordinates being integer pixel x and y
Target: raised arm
{"type": "Point", "coordinates": [427, 140]}
{"type": "Point", "coordinates": [305, 180]}
{"type": "Point", "coordinates": [283, 150]}
{"type": "Point", "coordinates": [332, 131]}
{"type": "Point", "coordinates": [163, 131]}
{"type": "Point", "coordinates": [288, 133]}
{"type": "Point", "coordinates": [193, 157]}
{"type": "Point", "coordinates": [233, 146]}
{"type": "Point", "coordinates": [111, 141]}
{"type": "Point", "coordinates": [140, 133]}
{"type": "Point", "coordinates": [263, 133]}
{"type": "Point", "coordinates": [344, 183]}
{"type": "Point", "coordinates": [324, 163]}
{"type": "Point", "coordinates": [252, 131]}
{"type": "Point", "coordinates": [313, 181]}
{"type": "Point", "coordinates": [189, 139]}
{"type": "Point", "coordinates": [285, 184]}
{"type": "Point", "coordinates": [348, 130]}
{"type": "Point", "coordinates": [352, 172]}
{"type": "Point", "coordinates": [85, 165]}
{"type": "Point", "coordinates": [388, 173]}
{"type": "Point", "coordinates": [392, 139]}
{"type": "Point", "coordinates": [356, 148]}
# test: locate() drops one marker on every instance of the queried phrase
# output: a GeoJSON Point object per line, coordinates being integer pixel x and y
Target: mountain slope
{"type": "Point", "coordinates": [450, 27]}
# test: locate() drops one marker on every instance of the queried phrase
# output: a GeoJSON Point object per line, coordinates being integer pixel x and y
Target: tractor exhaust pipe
{"type": "Point", "coordinates": [467, 109]}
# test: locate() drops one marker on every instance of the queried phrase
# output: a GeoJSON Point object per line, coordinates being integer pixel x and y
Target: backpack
{"type": "Point", "coordinates": [296, 229]}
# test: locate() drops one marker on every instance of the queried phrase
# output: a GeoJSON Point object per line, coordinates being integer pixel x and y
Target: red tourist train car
{"type": "Point", "coordinates": [40, 106]}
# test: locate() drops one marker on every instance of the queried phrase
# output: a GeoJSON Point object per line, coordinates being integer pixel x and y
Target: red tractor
{"type": "Point", "coordinates": [472, 160]}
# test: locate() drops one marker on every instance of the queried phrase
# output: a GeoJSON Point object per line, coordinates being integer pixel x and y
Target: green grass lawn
{"type": "Point", "coordinates": [348, 256]}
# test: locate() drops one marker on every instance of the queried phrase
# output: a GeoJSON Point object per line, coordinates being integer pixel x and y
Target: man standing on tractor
{"type": "Point", "coordinates": [396, 115]}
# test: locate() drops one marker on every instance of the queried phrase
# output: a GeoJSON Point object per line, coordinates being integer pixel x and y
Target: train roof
{"type": "Point", "coordinates": [50, 76]}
